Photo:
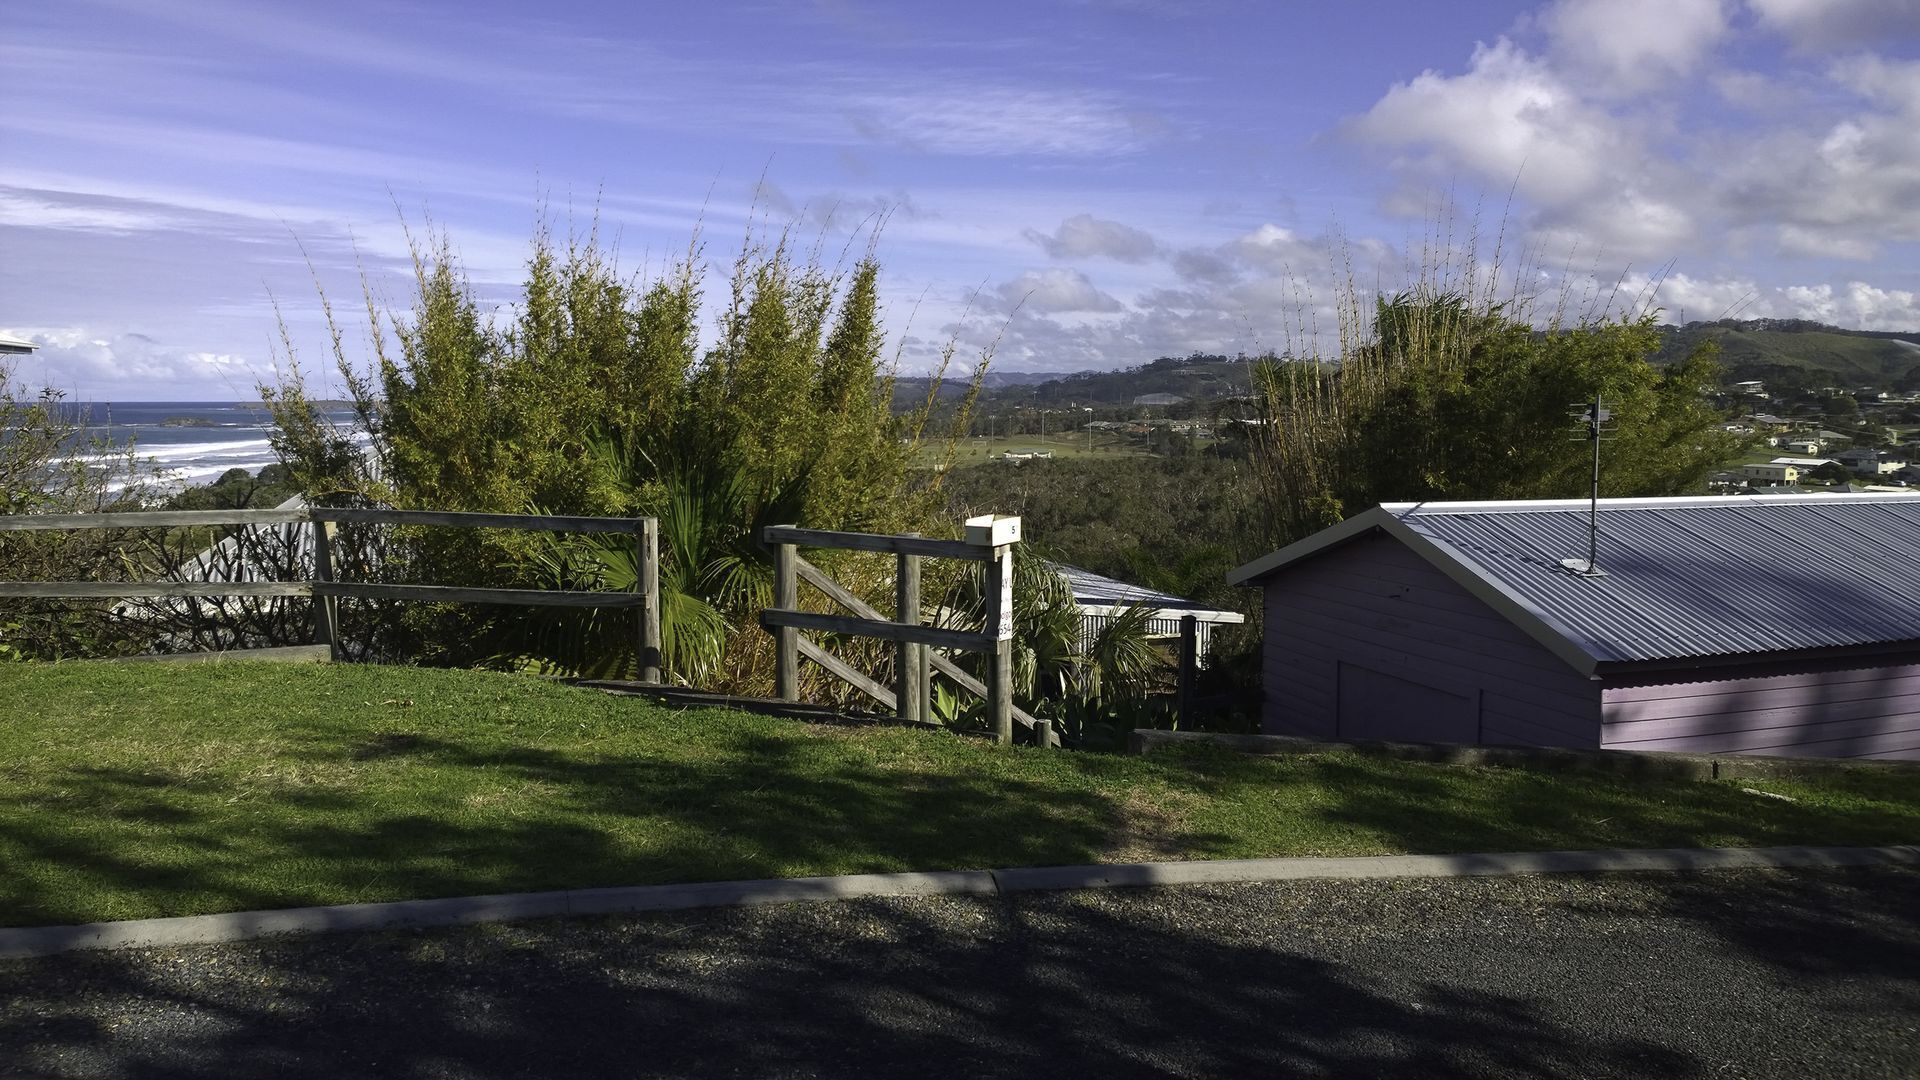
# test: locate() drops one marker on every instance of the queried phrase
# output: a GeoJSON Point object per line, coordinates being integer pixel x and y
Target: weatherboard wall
{"type": "Point", "coordinates": [1370, 641]}
{"type": "Point", "coordinates": [1836, 708]}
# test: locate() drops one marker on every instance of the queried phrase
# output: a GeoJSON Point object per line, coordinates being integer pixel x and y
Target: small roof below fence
{"type": "Point", "coordinates": [1092, 591]}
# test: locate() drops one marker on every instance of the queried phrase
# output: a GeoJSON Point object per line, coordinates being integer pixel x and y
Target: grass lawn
{"type": "Point", "coordinates": [139, 790]}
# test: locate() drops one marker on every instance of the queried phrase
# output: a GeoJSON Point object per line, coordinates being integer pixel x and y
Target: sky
{"type": "Point", "coordinates": [1072, 183]}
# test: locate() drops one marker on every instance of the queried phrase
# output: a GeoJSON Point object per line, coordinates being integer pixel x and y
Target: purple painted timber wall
{"type": "Point", "coordinates": [1813, 709]}
{"type": "Point", "coordinates": [1370, 641]}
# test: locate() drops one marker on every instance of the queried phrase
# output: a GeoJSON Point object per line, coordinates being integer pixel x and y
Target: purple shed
{"type": "Point", "coordinates": [1782, 625]}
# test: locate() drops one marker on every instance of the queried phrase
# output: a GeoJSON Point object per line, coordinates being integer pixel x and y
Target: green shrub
{"type": "Point", "coordinates": [595, 397]}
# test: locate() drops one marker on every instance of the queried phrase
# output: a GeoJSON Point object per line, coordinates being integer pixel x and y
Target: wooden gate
{"type": "Point", "coordinates": [988, 540]}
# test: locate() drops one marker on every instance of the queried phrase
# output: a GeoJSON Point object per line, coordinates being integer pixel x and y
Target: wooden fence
{"type": "Point", "coordinates": [324, 588]}
{"type": "Point", "coordinates": [989, 541]}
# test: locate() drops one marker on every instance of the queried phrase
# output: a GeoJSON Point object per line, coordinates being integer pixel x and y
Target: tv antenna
{"type": "Point", "coordinates": [1597, 419]}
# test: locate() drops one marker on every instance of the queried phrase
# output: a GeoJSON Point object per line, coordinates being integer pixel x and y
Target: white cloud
{"type": "Point", "coordinates": [994, 121]}
{"type": "Point", "coordinates": [1634, 45]}
{"type": "Point", "coordinates": [1586, 177]}
{"type": "Point", "coordinates": [1892, 84]}
{"type": "Point", "coordinates": [1055, 290]}
{"type": "Point", "coordinates": [1824, 244]}
{"type": "Point", "coordinates": [1085, 236]}
{"type": "Point", "coordinates": [1844, 190]}
{"type": "Point", "coordinates": [1204, 265]}
{"type": "Point", "coordinates": [1681, 298]}
{"type": "Point", "coordinates": [35, 210]}
{"type": "Point", "coordinates": [1826, 165]}
{"type": "Point", "coordinates": [1509, 117]}
{"type": "Point", "coordinates": [1857, 305]}
{"type": "Point", "coordinates": [134, 366]}
{"type": "Point", "coordinates": [1838, 24]}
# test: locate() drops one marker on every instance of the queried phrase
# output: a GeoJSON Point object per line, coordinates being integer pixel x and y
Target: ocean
{"type": "Point", "coordinates": [189, 442]}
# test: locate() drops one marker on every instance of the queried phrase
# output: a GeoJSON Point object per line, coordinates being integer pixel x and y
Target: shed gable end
{"type": "Point", "coordinates": [1374, 606]}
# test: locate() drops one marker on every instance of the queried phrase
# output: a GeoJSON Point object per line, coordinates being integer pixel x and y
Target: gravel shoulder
{"type": "Point", "coordinates": [1734, 973]}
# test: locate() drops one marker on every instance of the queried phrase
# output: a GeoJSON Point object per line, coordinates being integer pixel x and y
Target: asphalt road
{"type": "Point", "coordinates": [1747, 973]}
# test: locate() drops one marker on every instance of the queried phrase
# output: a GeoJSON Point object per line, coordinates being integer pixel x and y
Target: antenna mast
{"type": "Point", "coordinates": [1594, 416]}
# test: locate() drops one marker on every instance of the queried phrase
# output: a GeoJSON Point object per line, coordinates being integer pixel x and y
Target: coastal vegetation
{"type": "Point", "coordinates": [595, 397]}
{"type": "Point", "coordinates": [46, 469]}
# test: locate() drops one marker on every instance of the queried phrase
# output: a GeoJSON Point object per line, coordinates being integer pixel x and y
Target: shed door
{"type": "Point", "coordinates": [1375, 705]}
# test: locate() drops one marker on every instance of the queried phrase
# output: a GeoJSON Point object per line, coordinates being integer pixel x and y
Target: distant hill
{"type": "Point", "coordinates": [1199, 377]}
{"type": "Point", "coordinates": [1787, 354]}
{"type": "Point", "coordinates": [1794, 354]}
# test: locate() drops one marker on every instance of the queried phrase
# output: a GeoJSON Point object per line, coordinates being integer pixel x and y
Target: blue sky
{"type": "Point", "coordinates": [1090, 183]}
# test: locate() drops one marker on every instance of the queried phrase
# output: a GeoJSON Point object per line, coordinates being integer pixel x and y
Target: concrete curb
{"type": "Point", "coordinates": [247, 925]}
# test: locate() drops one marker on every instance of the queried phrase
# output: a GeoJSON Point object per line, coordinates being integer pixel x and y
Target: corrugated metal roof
{"type": "Point", "coordinates": [1697, 577]}
{"type": "Point", "coordinates": [1091, 589]}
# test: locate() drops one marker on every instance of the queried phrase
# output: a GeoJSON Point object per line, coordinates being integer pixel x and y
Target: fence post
{"type": "Point", "coordinates": [910, 658]}
{"type": "Point", "coordinates": [649, 644]}
{"type": "Point", "coordinates": [1189, 665]}
{"type": "Point", "coordinates": [786, 596]}
{"type": "Point", "coordinates": [325, 608]}
{"type": "Point", "coordinates": [1000, 625]}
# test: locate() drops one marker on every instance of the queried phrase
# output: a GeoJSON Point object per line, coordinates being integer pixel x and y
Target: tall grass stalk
{"type": "Point", "coordinates": [1456, 383]}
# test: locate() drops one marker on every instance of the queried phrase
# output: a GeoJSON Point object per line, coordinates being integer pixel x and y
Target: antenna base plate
{"type": "Point", "coordinates": [1582, 568]}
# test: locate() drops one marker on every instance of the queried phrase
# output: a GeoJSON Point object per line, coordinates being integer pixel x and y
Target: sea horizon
{"type": "Point", "coordinates": [187, 443]}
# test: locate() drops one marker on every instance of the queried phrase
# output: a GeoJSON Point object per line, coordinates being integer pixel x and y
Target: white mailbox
{"type": "Point", "coordinates": [988, 530]}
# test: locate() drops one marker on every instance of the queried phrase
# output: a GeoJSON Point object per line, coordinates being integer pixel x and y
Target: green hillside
{"type": "Point", "coordinates": [1792, 354]}
{"type": "Point", "coordinates": [1788, 354]}
{"type": "Point", "coordinates": [1199, 377]}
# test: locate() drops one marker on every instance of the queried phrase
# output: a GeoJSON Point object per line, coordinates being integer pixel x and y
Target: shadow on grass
{"type": "Point", "coordinates": [1421, 808]}
{"type": "Point", "coordinates": [454, 817]}
{"type": "Point", "coordinates": [357, 815]}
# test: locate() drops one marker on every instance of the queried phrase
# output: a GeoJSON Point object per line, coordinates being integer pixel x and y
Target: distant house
{"type": "Point", "coordinates": [1868, 462]}
{"type": "Point", "coordinates": [1784, 470]}
{"type": "Point", "coordinates": [1777, 471]}
{"type": "Point", "coordinates": [1750, 386]}
{"type": "Point", "coordinates": [1784, 625]}
{"type": "Point", "coordinates": [1159, 399]}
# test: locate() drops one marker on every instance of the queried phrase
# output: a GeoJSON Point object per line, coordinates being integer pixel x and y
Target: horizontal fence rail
{"type": "Point", "coordinates": [524, 522]}
{"type": "Point", "coordinates": [327, 592]}
{"type": "Point", "coordinates": [989, 541]}
{"type": "Point", "coordinates": [897, 545]}
{"type": "Point", "coordinates": [454, 594]}
{"type": "Point", "coordinates": [876, 628]}
{"type": "Point", "coordinates": [150, 519]}
{"type": "Point", "coordinates": [114, 590]}
{"type": "Point", "coordinates": [839, 594]}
